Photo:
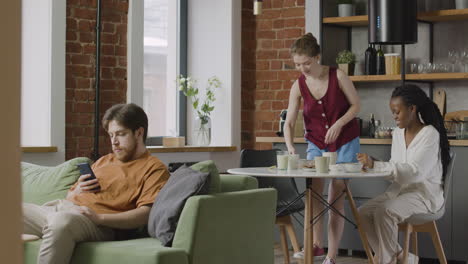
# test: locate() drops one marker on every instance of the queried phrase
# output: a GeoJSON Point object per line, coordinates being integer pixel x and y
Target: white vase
{"type": "Point", "coordinates": [345, 10]}
{"type": "Point", "coordinates": [202, 131]}
{"type": "Point", "coordinates": [461, 4]}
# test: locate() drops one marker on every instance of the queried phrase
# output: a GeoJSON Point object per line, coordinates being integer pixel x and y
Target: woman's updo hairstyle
{"type": "Point", "coordinates": [306, 45]}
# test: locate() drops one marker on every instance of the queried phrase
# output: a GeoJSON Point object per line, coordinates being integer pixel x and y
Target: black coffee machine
{"type": "Point", "coordinates": [282, 115]}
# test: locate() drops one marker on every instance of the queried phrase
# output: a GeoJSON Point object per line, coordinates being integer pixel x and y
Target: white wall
{"type": "Point", "coordinates": [214, 49]}
{"type": "Point", "coordinates": [43, 79]}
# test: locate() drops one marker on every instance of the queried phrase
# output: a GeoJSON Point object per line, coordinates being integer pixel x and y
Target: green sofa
{"type": "Point", "coordinates": [233, 226]}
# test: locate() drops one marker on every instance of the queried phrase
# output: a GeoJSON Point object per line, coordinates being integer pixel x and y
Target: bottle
{"type": "Point", "coordinates": [372, 126]}
{"type": "Point", "coordinates": [370, 60]}
{"type": "Point", "coordinates": [380, 61]}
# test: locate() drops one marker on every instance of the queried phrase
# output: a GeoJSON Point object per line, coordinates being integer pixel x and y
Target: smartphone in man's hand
{"type": "Point", "coordinates": [85, 168]}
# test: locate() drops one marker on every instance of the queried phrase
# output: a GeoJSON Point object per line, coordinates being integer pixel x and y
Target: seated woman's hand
{"type": "Point", "coordinates": [365, 160]}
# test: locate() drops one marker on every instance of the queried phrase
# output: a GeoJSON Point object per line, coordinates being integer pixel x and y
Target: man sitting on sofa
{"type": "Point", "coordinates": [127, 182]}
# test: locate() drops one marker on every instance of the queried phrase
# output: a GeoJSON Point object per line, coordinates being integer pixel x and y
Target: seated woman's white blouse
{"type": "Point", "coordinates": [417, 168]}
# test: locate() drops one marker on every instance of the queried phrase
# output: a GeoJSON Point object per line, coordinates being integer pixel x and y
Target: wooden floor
{"type": "Point", "coordinates": [279, 259]}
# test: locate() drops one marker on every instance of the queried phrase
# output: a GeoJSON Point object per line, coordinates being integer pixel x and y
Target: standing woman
{"type": "Point", "coordinates": [331, 104]}
{"type": "Point", "coordinates": [419, 161]}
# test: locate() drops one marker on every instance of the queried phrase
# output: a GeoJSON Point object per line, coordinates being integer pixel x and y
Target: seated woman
{"type": "Point", "coordinates": [419, 160]}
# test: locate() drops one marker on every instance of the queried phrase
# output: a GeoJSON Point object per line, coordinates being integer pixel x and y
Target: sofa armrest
{"type": "Point", "coordinates": [233, 227]}
{"type": "Point", "coordinates": [234, 183]}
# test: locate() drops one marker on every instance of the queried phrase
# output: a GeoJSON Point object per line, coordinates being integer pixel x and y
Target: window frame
{"type": "Point", "coordinates": [181, 108]}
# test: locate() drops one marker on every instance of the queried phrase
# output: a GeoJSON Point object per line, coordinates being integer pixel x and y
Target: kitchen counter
{"type": "Point", "coordinates": [363, 141]}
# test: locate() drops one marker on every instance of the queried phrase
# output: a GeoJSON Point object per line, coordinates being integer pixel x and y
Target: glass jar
{"type": "Point", "coordinates": [202, 131]}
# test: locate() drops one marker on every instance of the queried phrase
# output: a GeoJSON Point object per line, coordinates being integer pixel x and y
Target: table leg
{"type": "Point", "coordinates": [308, 227]}
{"type": "Point", "coordinates": [362, 233]}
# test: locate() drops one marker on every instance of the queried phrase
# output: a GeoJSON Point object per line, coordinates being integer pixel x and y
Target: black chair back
{"type": "Point", "coordinates": [286, 187]}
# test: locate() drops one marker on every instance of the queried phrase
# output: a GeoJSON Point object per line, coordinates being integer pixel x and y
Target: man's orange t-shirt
{"type": "Point", "coordinates": [124, 185]}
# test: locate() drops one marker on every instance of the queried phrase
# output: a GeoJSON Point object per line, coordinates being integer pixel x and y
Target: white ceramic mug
{"type": "Point", "coordinates": [321, 164]}
{"type": "Point", "coordinates": [332, 155]}
{"type": "Point", "coordinates": [282, 160]}
{"type": "Point", "coordinates": [293, 160]}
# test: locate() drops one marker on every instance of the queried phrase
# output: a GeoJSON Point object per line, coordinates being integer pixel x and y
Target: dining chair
{"type": "Point", "coordinates": [287, 201]}
{"type": "Point", "coordinates": [427, 222]}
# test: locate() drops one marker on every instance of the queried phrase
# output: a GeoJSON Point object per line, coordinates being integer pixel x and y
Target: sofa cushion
{"type": "Point", "coordinates": [141, 251]}
{"type": "Point", "coordinates": [170, 201]}
{"type": "Point", "coordinates": [210, 167]}
{"type": "Point", "coordinates": [43, 184]}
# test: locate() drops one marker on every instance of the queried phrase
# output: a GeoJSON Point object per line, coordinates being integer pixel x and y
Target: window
{"type": "Point", "coordinates": [43, 73]}
{"type": "Point", "coordinates": [161, 43]}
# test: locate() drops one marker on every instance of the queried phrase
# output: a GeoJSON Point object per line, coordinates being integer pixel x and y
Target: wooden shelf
{"type": "Point", "coordinates": [412, 77]}
{"type": "Point", "coordinates": [438, 76]}
{"type": "Point", "coordinates": [44, 149]}
{"type": "Point", "coordinates": [444, 15]}
{"type": "Point", "coordinates": [375, 78]}
{"type": "Point", "coordinates": [160, 149]}
{"type": "Point", "coordinates": [433, 16]}
{"type": "Point", "coordinates": [362, 141]}
{"type": "Point", "coordinates": [347, 21]}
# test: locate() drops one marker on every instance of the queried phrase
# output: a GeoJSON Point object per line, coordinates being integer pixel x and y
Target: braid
{"type": "Point", "coordinates": [430, 115]}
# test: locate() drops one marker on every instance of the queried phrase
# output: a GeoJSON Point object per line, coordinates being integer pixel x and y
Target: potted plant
{"type": "Point", "coordinates": [346, 61]}
{"type": "Point", "coordinates": [345, 8]}
{"type": "Point", "coordinates": [202, 129]}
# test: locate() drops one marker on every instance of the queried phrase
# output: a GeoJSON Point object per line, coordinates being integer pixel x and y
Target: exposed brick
{"type": "Point", "coordinates": [80, 59]}
{"type": "Point", "coordinates": [276, 65]}
{"type": "Point", "coordinates": [266, 44]}
{"type": "Point", "coordinates": [293, 12]}
{"type": "Point", "coordinates": [267, 34]}
{"type": "Point", "coordinates": [279, 23]}
{"type": "Point", "coordinates": [108, 38]}
{"type": "Point", "coordinates": [263, 65]}
{"type": "Point", "coordinates": [71, 24]}
{"type": "Point", "coordinates": [108, 27]}
{"type": "Point", "coordinates": [86, 37]}
{"type": "Point", "coordinates": [108, 61]}
{"type": "Point", "coordinates": [278, 44]}
{"type": "Point", "coordinates": [84, 13]}
{"type": "Point", "coordinates": [284, 54]}
{"type": "Point", "coordinates": [264, 115]}
{"type": "Point", "coordinates": [86, 26]}
{"type": "Point", "coordinates": [264, 24]}
{"type": "Point", "coordinates": [265, 105]}
{"type": "Point", "coordinates": [71, 35]}
{"type": "Point", "coordinates": [120, 73]}
{"type": "Point", "coordinates": [80, 84]}
{"type": "Point", "coordinates": [73, 47]}
{"type": "Point", "coordinates": [282, 95]}
{"type": "Point", "coordinates": [89, 49]}
{"type": "Point", "coordinates": [275, 85]}
{"type": "Point", "coordinates": [107, 49]}
{"type": "Point", "coordinates": [267, 54]}
{"type": "Point", "coordinates": [278, 105]}
{"type": "Point", "coordinates": [288, 75]}
{"type": "Point", "coordinates": [270, 14]}
{"type": "Point", "coordinates": [267, 75]}
{"type": "Point", "coordinates": [289, 33]}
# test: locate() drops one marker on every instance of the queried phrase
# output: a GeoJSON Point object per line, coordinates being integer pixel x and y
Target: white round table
{"type": "Point", "coordinates": [300, 173]}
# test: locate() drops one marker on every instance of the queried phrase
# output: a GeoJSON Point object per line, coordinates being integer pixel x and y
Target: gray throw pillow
{"type": "Point", "coordinates": [170, 201]}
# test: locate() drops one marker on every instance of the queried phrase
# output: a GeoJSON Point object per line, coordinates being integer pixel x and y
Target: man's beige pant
{"type": "Point", "coordinates": [61, 226]}
{"type": "Point", "coordinates": [380, 218]}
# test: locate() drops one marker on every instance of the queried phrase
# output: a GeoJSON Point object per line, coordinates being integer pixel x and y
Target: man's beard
{"type": "Point", "coordinates": [126, 154]}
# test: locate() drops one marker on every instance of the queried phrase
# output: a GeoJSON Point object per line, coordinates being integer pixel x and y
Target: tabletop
{"type": "Point", "coordinates": [301, 173]}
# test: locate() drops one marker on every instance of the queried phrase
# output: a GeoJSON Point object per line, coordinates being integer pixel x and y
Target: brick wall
{"type": "Point", "coordinates": [80, 70]}
{"type": "Point", "coordinates": [267, 68]}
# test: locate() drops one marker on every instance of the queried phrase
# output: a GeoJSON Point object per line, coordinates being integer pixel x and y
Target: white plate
{"type": "Point", "coordinates": [308, 169]}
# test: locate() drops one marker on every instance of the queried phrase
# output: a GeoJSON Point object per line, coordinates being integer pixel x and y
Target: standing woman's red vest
{"type": "Point", "coordinates": [321, 114]}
